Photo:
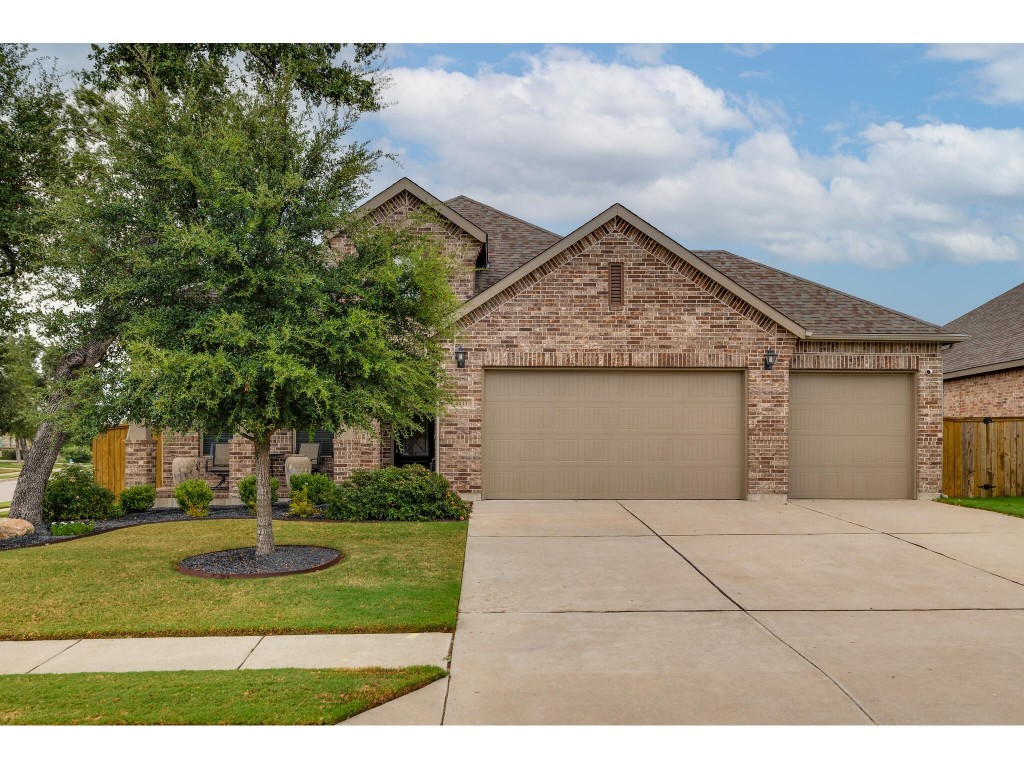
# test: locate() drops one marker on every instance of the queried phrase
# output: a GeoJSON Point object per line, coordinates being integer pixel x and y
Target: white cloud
{"type": "Point", "coordinates": [999, 69]}
{"type": "Point", "coordinates": [570, 135]}
{"type": "Point", "coordinates": [749, 50]}
{"type": "Point", "coordinates": [644, 53]}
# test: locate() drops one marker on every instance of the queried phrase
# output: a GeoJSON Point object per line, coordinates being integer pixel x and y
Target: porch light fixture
{"type": "Point", "coordinates": [460, 357]}
{"type": "Point", "coordinates": [769, 359]}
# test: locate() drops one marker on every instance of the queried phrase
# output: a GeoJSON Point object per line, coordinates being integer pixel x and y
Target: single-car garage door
{"type": "Point", "coordinates": [589, 434]}
{"type": "Point", "coordinates": [851, 436]}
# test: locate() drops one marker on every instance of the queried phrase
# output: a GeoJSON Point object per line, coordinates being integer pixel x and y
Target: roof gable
{"type": "Point", "coordinates": [620, 211]}
{"type": "Point", "coordinates": [408, 186]}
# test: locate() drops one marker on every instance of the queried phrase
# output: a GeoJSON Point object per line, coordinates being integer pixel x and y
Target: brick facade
{"type": "Point", "coordinates": [996, 394]}
{"type": "Point", "coordinates": [673, 317]}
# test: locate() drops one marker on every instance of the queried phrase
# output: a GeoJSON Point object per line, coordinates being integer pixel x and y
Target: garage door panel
{"type": "Point", "coordinates": [851, 436]}
{"type": "Point", "coordinates": [613, 434]}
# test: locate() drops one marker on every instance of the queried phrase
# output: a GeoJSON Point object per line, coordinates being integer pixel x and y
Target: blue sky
{"type": "Point", "coordinates": [894, 172]}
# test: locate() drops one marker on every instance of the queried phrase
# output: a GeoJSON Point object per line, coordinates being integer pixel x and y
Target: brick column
{"type": "Point", "coordinates": [139, 456]}
{"type": "Point", "coordinates": [355, 449]}
{"type": "Point", "coordinates": [242, 461]}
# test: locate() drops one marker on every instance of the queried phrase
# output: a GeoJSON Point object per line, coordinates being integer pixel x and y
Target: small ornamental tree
{"type": "Point", "coordinates": [277, 330]}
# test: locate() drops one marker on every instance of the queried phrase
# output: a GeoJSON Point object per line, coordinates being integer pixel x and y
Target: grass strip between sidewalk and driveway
{"type": "Point", "coordinates": [211, 697]}
{"type": "Point", "coordinates": [1008, 505]}
{"type": "Point", "coordinates": [394, 577]}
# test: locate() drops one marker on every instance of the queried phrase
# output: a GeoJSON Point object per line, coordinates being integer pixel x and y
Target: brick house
{"type": "Point", "coordinates": [984, 376]}
{"type": "Point", "coordinates": [615, 363]}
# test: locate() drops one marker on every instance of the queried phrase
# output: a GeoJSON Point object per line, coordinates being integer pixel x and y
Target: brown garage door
{"type": "Point", "coordinates": [851, 436]}
{"type": "Point", "coordinates": [586, 434]}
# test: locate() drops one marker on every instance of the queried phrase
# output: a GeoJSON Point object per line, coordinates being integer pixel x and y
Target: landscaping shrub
{"type": "Point", "coordinates": [318, 487]}
{"type": "Point", "coordinates": [74, 494]}
{"type": "Point", "coordinates": [7, 454]}
{"type": "Point", "coordinates": [396, 493]}
{"type": "Point", "coordinates": [247, 491]}
{"type": "Point", "coordinates": [300, 505]}
{"type": "Point", "coordinates": [78, 454]}
{"type": "Point", "coordinates": [72, 528]}
{"type": "Point", "coordinates": [137, 498]}
{"type": "Point", "coordinates": [194, 496]}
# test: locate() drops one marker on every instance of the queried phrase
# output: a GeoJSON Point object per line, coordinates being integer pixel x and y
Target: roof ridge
{"type": "Point", "coordinates": [982, 306]}
{"type": "Point", "coordinates": [503, 213]}
{"type": "Point", "coordinates": [821, 285]}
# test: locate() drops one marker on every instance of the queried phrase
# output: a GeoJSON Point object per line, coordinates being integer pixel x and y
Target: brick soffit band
{"type": "Point", "coordinates": [993, 368]}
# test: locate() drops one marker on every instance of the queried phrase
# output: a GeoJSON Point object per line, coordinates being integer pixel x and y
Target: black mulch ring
{"type": "Point", "coordinates": [244, 563]}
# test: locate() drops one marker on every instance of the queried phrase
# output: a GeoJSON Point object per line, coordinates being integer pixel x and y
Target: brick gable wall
{"type": "Point", "coordinates": [996, 394]}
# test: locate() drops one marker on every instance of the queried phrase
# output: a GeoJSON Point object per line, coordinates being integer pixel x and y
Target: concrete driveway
{"type": "Point", "coordinates": [739, 612]}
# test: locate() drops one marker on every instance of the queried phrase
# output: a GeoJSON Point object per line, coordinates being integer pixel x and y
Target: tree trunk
{"type": "Point", "coordinates": [27, 503]}
{"type": "Point", "coordinates": [264, 510]}
{"type": "Point", "coordinates": [22, 449]}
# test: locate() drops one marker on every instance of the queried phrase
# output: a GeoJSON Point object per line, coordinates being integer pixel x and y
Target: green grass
{"type": "Point", "coordinates": [215, 697]}
{"type": "Point", "coordinates": [1008, 505]}
{"type": "Point", "coordinates": [5, 507]}
{"type": "Point", "coordinates": [395, 577]}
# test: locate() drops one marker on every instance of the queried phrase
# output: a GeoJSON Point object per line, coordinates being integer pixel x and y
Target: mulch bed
{"type": "Point", "coordinates": [157, 515]}
{"type": "Point", "coordinates": [244, 563]}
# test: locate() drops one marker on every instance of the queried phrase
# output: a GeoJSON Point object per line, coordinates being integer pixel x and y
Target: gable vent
{"type": "Point", "coordinates": [615, 285]}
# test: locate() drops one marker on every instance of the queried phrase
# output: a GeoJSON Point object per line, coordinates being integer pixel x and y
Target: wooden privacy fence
{"type": "Point", "coordinates": [983, 457]}
{"type": "Point", "coordinates": [108, 458]}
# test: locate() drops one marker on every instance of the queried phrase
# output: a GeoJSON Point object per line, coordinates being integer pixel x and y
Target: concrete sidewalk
{"type": "Point", "coordinates": [157, 654]}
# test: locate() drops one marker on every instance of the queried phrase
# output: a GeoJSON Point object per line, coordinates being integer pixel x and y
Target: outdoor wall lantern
{"type": "Point", "coordinates": [460, 357]}
{"type": "Point", "coordinates": [769, 359]}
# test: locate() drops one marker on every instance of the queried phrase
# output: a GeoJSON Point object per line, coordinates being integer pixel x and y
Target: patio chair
{"type": "Point", "coordinates": [312, 452]}
{"type": "Point", "coordinates": [219, 463]}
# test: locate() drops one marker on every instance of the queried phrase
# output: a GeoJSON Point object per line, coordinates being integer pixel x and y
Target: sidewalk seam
{"type": "Point", "coordinates": [250, 651]}
{"type": "Point", "coordinates": [58, 653]}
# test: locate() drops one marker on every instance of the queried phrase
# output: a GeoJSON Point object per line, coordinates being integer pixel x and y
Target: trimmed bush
{"type": "Point", "coordinates": [300, 505]}
{"type": "Point", "coordinates": [72, 528]}
{"type": "Point", "coordinates": [319, 487]}
{"type": "Point", "coordinates": [137, 498]}
{"type": "Point", "coordinates": [194, 496]}
{"type": "Point", "coordinates": [396, 493]}
{"type": "Point", "coordinates": [7, 454]}
{"type": "Point", "coordinates": [78, 454]}
{"type": "Point", "coordinates": [247, 491]}
{"type": "Point", "coordinates": [74, 495]}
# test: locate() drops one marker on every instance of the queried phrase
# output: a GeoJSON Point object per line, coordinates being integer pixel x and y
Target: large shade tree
{"type": "Point", "coordinates": [271, 328]}
{"type": "Point", "coordinates": [99, 266]}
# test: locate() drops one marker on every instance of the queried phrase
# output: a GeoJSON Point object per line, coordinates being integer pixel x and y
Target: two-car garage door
{"type": "Point", "coordinates": [605, 434]}
{"type": "Point", "coordinates": [589, 434]}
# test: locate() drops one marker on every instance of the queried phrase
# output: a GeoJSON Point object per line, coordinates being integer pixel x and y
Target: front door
{"type": "Point", "coordinates": [417, 448]}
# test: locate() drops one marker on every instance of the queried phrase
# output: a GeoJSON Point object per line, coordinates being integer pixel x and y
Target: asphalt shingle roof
{"type": "Point", "coordinates": [511, 242]}
{"type": "Point", "coordinates": [996, 329]}
{"type": "Point", "coordinates": [822, 311]}
{"type": "Point", "coordinates": [817, 308]}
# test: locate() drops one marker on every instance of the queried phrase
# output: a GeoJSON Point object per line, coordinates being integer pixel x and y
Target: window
{"type": "Point", "coordinates": [322, 436]}
{"type": "Point", "coordinates": [616, 289]}
{"type": "Point", "coordinates": [210, 440]}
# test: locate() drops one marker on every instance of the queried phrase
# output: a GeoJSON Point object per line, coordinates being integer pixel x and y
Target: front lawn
{"type": "Point", "coordinates": [395, 577]}
{"type": "Point", "coordinates": [213, 697]}
{"type": "Point", "coordinates": [1008, 505]}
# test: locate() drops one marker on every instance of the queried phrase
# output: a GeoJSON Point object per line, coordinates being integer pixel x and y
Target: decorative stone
{"type": "Point", "coordinates": [185, 468]}
{"type": "Point", "coordinates": [296, 465]}
{"type": "Point", "coordinates": [12, 529]}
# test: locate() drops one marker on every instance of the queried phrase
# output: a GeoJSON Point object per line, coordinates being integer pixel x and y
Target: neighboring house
{"type": "Point", "coordinates": [984, 376]}
{"type": "Point", "coordinates": [615, 363]}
